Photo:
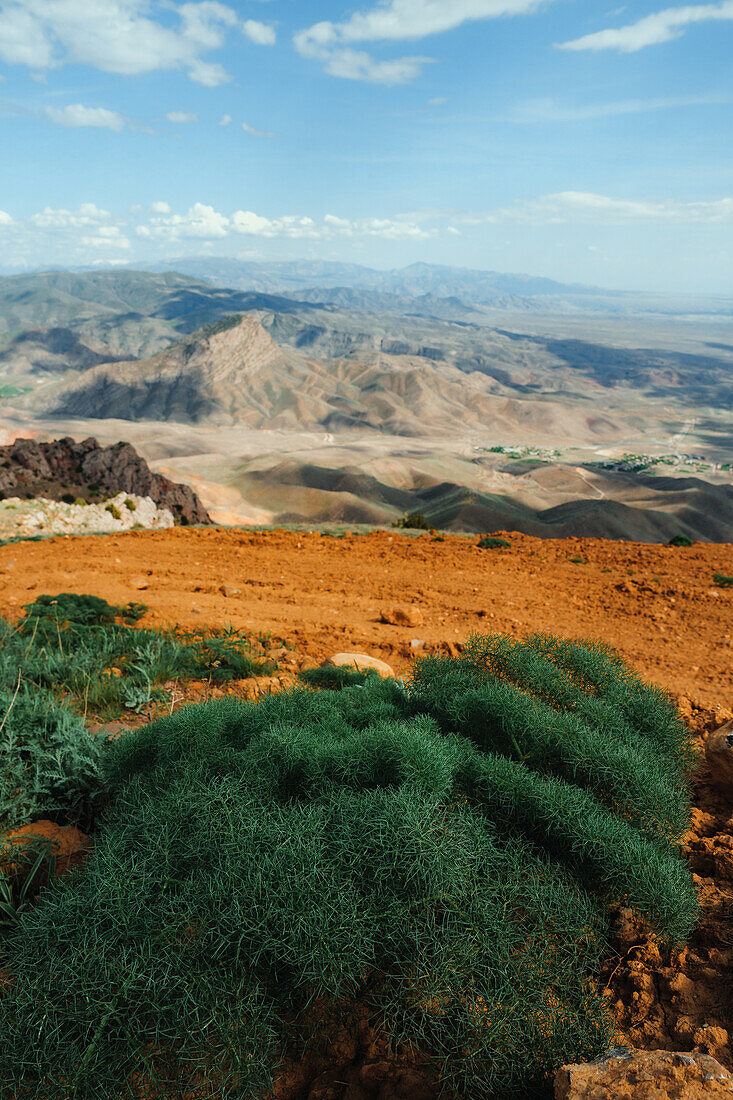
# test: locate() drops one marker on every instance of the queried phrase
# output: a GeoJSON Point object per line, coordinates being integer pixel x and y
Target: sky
{"type": "Point", "coordinates": [566, 138]}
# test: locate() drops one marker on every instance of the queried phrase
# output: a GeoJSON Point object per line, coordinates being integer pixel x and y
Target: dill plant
{"type": "Point", "coordinates": [444, 855]}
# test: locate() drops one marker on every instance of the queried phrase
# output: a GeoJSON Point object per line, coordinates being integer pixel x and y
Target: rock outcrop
{"type": "Point", "coordinates": [641, 1074]}
{"type": "Point", "coordinates": [62, 467]}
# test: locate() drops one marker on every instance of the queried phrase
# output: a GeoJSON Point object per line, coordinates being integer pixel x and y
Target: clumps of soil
{"type": "Point", "coordinates": [681, 999]}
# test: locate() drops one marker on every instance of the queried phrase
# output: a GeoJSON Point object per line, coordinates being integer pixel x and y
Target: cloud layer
{"type": "Point", "coordinates": [652, 30]}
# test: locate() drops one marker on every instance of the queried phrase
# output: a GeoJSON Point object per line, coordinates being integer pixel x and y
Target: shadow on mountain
{"type": "Point", "coordinates": [180, 398]}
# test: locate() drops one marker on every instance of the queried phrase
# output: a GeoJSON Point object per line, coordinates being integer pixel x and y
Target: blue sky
{"type": "Point", "coordinates": [568, 138]}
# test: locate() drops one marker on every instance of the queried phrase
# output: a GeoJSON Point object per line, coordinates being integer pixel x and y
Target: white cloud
{"type": "Point", "coordinates": [360, 65]}
{"type": "Point", "coordinates": [565, 206]}
{"type": "Point", "coordinates": [107, 236]}
{"type": "Point", "coordinates": [181, 117]}
{"type": "Point", "coordinates": [76, 115]}
{"type": "Point", "coordinates": [200, 221]}
{"type": "Point", "coordinates": [159, 208]}
{"type": "Point", "coordinates": [395, 20]}
{"type": "Point", "coordinates": [293, 227]}
{"type": "Point", "coordinates": [225, 120]}
{"type": "Point", "coordinates": [5, 218]}
{"type": "Point", "coordinates": [118, 36]}
{"type": "Point", "coordinates": [87, 214]}
{"type": "Point", "coordinates": [257, 133]}
{"type": "Point", "coordinates": [205, 222]}
{"type": "Point", "coordinates": [661, 26]}
{"type": "Point", "coordinates": [259, 33]}
{"type": "Point", "coordinates": [550, 110]}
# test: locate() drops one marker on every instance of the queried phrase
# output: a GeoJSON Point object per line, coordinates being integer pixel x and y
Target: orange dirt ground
{"type": "Point", "coordinates": [657, 605]}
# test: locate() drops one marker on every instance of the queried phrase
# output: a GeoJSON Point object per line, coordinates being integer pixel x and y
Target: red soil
{"type": "Point", "coordinates": [658, 605]}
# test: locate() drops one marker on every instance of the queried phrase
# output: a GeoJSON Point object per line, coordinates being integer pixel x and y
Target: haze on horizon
{"type": "Point", "coordinates": [561, 139]}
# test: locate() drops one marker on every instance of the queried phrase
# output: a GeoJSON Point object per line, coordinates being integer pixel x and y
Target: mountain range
{"type": "Point", "coordinates": [393, 393]}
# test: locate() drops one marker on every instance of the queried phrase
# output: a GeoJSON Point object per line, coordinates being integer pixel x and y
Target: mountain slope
{"type": "Point", "coordinates": [233, 373]}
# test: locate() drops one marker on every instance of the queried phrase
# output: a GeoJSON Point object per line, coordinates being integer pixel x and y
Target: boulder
{"type": "Point", "coordinates": [359, 661]}
{"type": "Point", "coordinates": [719, 755]}
{"type": "Point", "coordinates": [624, 1074]}
{"type": "Point", "coordinates": [403, 615]}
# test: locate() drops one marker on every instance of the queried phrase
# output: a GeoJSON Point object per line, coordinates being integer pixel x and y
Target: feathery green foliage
{"type": "Point", "coordinates": [69, 654]}
{"type": "Point", "coordinates": [74, 645]}
{"type": "Point", "coordinates": [49, 762]}
{"type": "Point", "coordinates": [442, 853]}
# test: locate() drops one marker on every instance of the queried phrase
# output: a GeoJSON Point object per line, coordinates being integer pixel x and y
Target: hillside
{"type": "Point", "coordinates": [234, 373]}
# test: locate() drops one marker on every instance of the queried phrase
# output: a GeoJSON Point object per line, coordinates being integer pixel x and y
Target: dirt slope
{"type": "Point", "coordinates": [658, 605]}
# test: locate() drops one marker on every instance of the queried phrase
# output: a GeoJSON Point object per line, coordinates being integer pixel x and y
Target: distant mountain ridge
{"type": "Point", "coordinates": [289, 277]}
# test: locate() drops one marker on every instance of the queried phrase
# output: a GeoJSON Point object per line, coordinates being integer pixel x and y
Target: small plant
{"type": "Point", "coordinates": [680, 540]}
{"type": "Point", "coordinates": [578, 561]}
{"type": "Point", "coordinates": [113, 510]}
{"type": "Point", "coordinates": [18, 889]}
{"type": "Point", "coordinates": [488, 542]}
{"type": "Point", "coordinates": [130, 505]}
{"type": "Point", "coordinates": [80, 502]}
{"type": "Point", "coordinates": [722, 580]}
{"type": "Point", "coordinates": [415, 521]}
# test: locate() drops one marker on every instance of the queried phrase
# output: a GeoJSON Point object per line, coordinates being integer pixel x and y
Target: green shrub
{"type": "Point", "coordinates": [722, 580]}
{"type": "Point", "coordinates": [490, 543]}
{"type": "Point", "coordinates": [415, 520]}
{"type": "Point", "coordinates": [443, 854]}
{"type": "Point", "coordinates": [113, 510]}
{"type": "Point", "coordinates": [680, 540]}
{"type": "Point", "coordinates": [130, 505]}
{"type": "Point", "coordinates": [80, 501]}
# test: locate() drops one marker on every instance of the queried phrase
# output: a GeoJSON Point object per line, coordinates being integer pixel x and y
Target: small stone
{"type": "Point", "coordinates": [719, 755]}
{"type": "Point", "coordinates": [140, 583]}
{"type": "Point", "coordinates": [229, 592]}
{"type": "Point", "coordinates": [359, 661]}
{"type": "Point", "coordinates": [403, 615]}
{"type": "Point", "coordinates": [416, 643]}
